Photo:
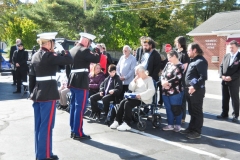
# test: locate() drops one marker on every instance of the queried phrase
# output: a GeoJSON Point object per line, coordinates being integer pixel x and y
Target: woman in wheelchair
{"type": "Point", "coordinates": [173, 91]}
{"type": "Point", "coordinates": [142, 86]}
{"type": "Point", "coordinates": [96, 77]}
{"type": "Point", "coordinates": [110, 89]}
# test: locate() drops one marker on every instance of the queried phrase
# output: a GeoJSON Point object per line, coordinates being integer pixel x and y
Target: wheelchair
{"type": "Point", "coordinates": [141, 111]}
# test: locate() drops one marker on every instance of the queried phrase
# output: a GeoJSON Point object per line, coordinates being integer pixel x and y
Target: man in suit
{"type": "Point", "coordinates": [14, 48]}
{"type": "Point", "coordinates": [230, 74]}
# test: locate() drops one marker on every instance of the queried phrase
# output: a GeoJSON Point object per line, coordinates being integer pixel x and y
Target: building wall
{"type": "Point", "coordinates": [212, 46]}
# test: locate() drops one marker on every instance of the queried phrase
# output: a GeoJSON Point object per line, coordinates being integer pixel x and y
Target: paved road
{"type": "Point", "coordinates": [220, 139]}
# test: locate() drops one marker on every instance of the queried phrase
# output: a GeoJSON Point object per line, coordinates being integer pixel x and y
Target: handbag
{"type": "Point", "coordinates": [176, 109]}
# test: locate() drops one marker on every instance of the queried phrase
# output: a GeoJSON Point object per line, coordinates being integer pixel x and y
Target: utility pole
{"type": "Point", "coordinates": [84, 8]}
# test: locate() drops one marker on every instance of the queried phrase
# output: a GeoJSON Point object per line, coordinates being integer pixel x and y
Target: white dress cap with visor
{"type": "Point", "coordinates": [47, 35]}
{"type": "Point", "coordinates": [84, 39]}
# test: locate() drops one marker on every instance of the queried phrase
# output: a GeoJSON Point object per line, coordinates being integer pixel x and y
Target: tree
{"type": "Point", "coordinates": [22, 28]}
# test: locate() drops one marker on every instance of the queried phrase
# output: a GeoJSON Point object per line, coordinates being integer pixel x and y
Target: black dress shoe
{"type": "Point", "coordinates": [53, 157]}
{"type": "Point", "coordinates": [222, 117]}
{"type": "Point", "coordinates": [235, 119]}
{"type": "Point", "coordinates": [17, 92]}
{"type": "Point", "coordinates": [72, 135]}
{"type": "Point", "coordinates": [81, 137]}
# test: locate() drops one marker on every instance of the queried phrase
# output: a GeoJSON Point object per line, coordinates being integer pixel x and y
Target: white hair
{"type": "Point", "coordinates": [128, 47]}
{"type": "Point", "coordinates": [141, 68]}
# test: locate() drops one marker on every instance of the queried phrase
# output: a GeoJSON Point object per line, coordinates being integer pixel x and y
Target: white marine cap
{"type": "Point", "coordinates": [87, 35]}
{"type": "Point", "coordinates": [47, 35]}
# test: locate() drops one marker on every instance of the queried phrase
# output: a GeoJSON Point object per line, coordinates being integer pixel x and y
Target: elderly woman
{"type": "Point", "coordinates": [96, 77]}
{"type": "Point", "coordinates": [173, 91]}
{"type": "Point", "coordinates": [142, 85]}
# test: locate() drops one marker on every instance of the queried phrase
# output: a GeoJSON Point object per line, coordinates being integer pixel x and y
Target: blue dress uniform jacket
{"type": "Point", "coordinates": [45, 64]}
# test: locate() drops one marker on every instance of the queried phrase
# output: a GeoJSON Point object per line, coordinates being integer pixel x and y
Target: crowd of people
{"type": "Point", "coordinates": [91, 76]}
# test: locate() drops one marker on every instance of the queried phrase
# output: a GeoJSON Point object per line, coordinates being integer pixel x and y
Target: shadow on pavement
{"type": "Point", "coordinates": [123, 153]}
{"type": "Point", "coordinates": [219, 138]}
{"type": "Point", "coordinates": [6, 92]}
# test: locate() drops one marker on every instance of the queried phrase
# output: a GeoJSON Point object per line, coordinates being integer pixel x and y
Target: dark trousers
{"type": "Point", "coordinates": [160, 93]}
{"type": "Point", "coordinates": [195, 109]}
{"type": "Point", "coordinates": [124, 89]}
{"type": "Point", "coordinates": [227, 93]}
{"type": "Point", "coordinates": [106, 102]}
{"type": "Point", "coordinates": [14, 77]}
{"type": "Point", "coordinates": [21, 76]}
{"type": "Point", "coordinates": [125, 110]}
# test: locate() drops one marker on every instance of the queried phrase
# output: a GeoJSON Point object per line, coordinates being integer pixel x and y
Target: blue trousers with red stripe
{"type": "Point", "coordinates": [78, 105]}
{"type": "Point", "coordinates": [44, 118]}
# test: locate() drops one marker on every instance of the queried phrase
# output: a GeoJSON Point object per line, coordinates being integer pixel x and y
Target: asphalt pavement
{"type": "Point", "coordinates": [220, 138]}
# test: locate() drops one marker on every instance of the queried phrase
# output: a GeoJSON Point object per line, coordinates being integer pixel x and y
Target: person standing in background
{"type": "Point", "coordinates": [230, 74]}
{"type": "Point", "coordinates": [14, 48]}
{"type": "Point", "coordinates": [180, 44]}
{"type": "Point", "coordinates": [195, 78]}
{"type": "Point", "coordinates": [19, 60]}
{"type": "Point", "coordinates": [125, 69]}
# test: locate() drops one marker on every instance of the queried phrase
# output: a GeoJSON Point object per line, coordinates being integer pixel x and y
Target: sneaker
{"type": "Point", "coordinates": [114, 125]}
{"type": "Point", "coordinates": [177, 128]}
{"type": "Point", "coordinates": [123, 127]}
{"type": "Point", "coordinates": [168, 128]}
{"type": "Point", "coordinates": [186, 131]}
{"type": "Point", "coordinates": [193, 135]}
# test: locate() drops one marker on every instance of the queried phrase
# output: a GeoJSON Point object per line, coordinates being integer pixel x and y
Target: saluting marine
{"type": "Point", "coordinates": [79, 82]}
{"type": "Point", "coordinates": [44, 92]}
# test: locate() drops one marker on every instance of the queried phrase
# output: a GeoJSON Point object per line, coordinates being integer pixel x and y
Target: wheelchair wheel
{"type": "Point", "coordinates": [156, 120]}
{"type": "Point", "coordinates": [142, 125]}
{"type": "Point", "coordinates": [135, 117]}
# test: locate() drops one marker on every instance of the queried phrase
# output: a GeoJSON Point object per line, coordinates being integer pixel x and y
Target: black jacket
{"type": "Point", "coordinates": [116, 85]}
{"type": "Point", "coordinates": [82, 57]}
{"type": "Point", "coordinates": [45, 63]}
{"type": "Point", "coordinates": [154, 65]}
{"type": "Point", "coordinates": [13, 48]}
{"type": "Point", "coordinates": [196, 73]}
{"type": "Point", "coordinates": [20, 57]}
{"type": "Point", "coordinates": [233, 70]}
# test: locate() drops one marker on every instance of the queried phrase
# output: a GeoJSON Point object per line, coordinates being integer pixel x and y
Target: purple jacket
{"type": "Point", "coordinates": [94, 83]}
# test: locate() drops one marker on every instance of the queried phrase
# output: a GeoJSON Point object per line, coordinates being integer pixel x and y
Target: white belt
{"type": "Point", "coordinates": [79, 70]}
{"type": "Point", "coordinates": [46, 78]}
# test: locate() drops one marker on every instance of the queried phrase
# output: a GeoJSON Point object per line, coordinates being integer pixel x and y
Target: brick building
{"type": "Point", "coordinates": [214, 34]}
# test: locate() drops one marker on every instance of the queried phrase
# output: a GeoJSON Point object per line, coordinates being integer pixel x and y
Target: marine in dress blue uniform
{"type": "Point", "coordinates": [79, 82]}
{"type": "Point", "coordinates": [44, 92]}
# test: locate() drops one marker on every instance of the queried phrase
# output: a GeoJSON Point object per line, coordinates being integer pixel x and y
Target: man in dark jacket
{"type": "Point", "coordinates": [151, 59]}
{"type": "Point", "coordinates": [110, 90]}
{"type": "Point", "coordinates": [14, 48]}
{"type": "Point", "coordinates": [230, 74]}
{"type": "Point", "coordinates": [19, 60]}
{"type": "Point", "coordinates": [195, 78]}
{"type": "Point", "coordinates": [79, 82]}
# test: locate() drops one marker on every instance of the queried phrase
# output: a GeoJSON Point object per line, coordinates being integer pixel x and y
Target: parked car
{"type": "Point", "coordinates": [5, 65]}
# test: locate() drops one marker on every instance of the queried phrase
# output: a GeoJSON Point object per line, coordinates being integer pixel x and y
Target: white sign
{"type": "Point", "coordinates": [211, 43]}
